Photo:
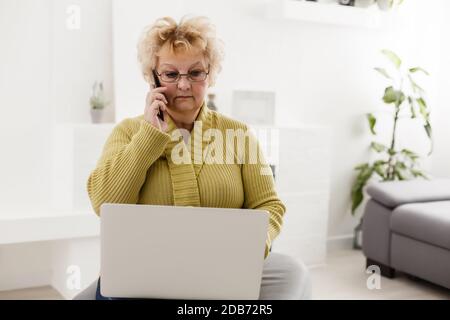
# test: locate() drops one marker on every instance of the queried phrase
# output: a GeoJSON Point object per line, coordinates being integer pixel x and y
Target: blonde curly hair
{"type": "Point", "coordinates": [190, 33]}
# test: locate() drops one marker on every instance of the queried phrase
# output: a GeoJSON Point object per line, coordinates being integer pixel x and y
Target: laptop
{"type": "Point", "coordinates": [166, 252]}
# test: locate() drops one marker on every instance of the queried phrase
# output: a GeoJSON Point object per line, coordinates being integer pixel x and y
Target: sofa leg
{"type": "Point", "coordinates": [385, 270]}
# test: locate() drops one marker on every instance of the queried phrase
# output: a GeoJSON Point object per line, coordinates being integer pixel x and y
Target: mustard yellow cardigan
{"type": "Point", "coordinates": [136, 167]}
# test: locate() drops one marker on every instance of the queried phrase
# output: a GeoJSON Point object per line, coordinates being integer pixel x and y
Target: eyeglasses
{"type": "Point", "coordinates": [175, 76]}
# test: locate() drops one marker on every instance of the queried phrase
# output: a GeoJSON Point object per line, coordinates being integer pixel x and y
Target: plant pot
{"type": "Point", "coordinates": [96, 115]}
{"type": "Point", "coordinates": [364, 3]}
{"type": "Point", "coordinates": [384, 5]}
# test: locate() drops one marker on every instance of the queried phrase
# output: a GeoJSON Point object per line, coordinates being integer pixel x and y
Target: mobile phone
{"type": "Point", "coordinates": [157, 85]}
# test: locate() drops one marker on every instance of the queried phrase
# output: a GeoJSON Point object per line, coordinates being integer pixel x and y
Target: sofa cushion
{"type": "Point", "coordinates": [428, 222]}
{"type": "Point", "coordinates": [395, 193]}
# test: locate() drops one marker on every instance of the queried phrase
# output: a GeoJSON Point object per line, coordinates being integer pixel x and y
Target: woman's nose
{"type": "Point", "coordinates": [184, 83]}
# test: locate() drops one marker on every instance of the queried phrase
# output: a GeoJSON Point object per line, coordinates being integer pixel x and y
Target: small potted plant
{"type": "Point", "coordinates": [97, 102]}
{"type": "Point", "coordinates": [386, 5]}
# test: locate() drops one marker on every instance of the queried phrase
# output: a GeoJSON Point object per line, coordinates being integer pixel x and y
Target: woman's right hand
{"type": "Point", "coordinates": [156, 101]}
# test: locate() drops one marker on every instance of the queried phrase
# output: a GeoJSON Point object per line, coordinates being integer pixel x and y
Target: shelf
{"type": "Point", "coordinates": [50, 226]}
{"type": "Point", "coordinates": [76, 150]}
{"type": "Point", "coordinates": [329, 13]}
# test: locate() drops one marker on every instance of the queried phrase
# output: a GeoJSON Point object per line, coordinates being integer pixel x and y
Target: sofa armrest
{"type": "Point", "coordinates": [394, 193]}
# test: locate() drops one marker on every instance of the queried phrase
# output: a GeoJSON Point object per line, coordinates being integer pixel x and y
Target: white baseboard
{"type": "Point", "coordinates": [338, 243]}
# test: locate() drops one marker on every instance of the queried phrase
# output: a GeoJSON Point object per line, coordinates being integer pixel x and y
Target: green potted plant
{"type": "Point", "coordinates": [408, 101]}
{"type": "Point", "coordinates": [388, 4]}
{"type": "Point", "coordinates": [97, 102]}
{"type": "Point", "coordinates": [383, 5]}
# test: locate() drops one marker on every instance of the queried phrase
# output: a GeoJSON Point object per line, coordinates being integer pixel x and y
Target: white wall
{"type": "Point", "coordinates": [79, 58]}
{"type": "Point", "coordinates": [322, 74]}
{"type": "Point", "coordinates": [441, 115]}
{"type": "Point", "coordinates": [24, 104]}
{"type": "Point", "coordinates": [47, 71]}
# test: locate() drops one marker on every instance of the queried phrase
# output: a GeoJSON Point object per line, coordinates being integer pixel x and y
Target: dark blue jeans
{"type": "Point", "coordinates": [98, 295]}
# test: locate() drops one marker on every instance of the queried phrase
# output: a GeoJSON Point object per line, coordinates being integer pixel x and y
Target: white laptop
{"type": "Point", "coordinates": [165, 252]}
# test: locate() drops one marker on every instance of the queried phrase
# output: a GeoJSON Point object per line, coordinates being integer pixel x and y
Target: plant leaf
{"type": "Point", "coordinates": [422, 107]}
{"type": "Point", "coordinates": [389, 95]}
{"type": "Point", "coordinates": [362, 166]}
{"type": "Point", "coordinates": [410, 154]}
{"type": "Point", "coordinates": [398, 167]}
{"type": "Point", "coordinates": [392, 152]}
{"type": "Point", "coordinates": [422, 102]}
{"type": "Point", "coordinates": [416, 69]}
{"type": "Point", "coordinates": [357, 198]}
{"type": "Point", "coordinates": [429, 132]}
{"type": "Point", "coordinates": [392, 57]}
{"type": "Point", "coordinates": [399, 175]}
{"type": "Point", "coordinates": [411, 106]}
{"type": "Point", "coordinates": [383, 72]}
{"type": "Point", "coordinates": [358, 186]}
{"type": "Point", "coordinates": [372, 122]}
{"type": "Point", "coordinates": [378, 168]}
{"type": "Point", "coordinates": [378, 147]}
{"type": "Point", "coordinates": [428, 129]}
{"type": "Point", "coordinates": [393, 96]}
{"type": "Point", "coordinates": [417, 173]}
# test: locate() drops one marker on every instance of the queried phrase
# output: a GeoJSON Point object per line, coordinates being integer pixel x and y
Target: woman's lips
{"type": "Point", "coordinates": [183, 97]}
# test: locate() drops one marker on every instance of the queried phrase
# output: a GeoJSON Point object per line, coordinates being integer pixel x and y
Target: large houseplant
{"type": "Point", "coordinates": [408, 101]}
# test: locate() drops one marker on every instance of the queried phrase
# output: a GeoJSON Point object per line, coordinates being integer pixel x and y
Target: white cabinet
{"type": "Point", "coordinates": [301, 156]}
{"type": "Point", "coordinates": [76, 149]}
{"type": "Point", "coordinates": [39, 248]}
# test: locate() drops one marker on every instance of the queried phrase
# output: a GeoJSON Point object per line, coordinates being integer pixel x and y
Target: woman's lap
{"type": "Point", "coordinates": [284, 278]}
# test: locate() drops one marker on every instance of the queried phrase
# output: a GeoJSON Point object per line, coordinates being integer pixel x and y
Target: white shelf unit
{"type": "Point", "coordinates": [26, 228]}
{"type": "Point", "coordinates": [77, 147]}
{"type": "Point", "coordinates": [40, 250]}
{"type": "Point", "coordinates": [302, 159]}
{"type": "Point", "coordinates": [39, 247]}
{"type": "Point", "coordinates": [329, 13]}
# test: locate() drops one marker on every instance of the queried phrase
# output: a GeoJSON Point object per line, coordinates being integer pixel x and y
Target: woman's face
{"type": "Point", "coordinates": [183, 96]}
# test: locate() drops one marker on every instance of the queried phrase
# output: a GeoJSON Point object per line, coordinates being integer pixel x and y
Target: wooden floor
{"type": "Point", "coordinates": [343, 277]}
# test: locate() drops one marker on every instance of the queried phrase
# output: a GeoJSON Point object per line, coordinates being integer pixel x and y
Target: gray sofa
{"type": "Point", "coordinates": [406, 227]}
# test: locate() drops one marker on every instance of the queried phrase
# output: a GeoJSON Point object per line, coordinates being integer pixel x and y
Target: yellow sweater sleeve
{"type": "Point", "coordinates": [133, 146]}
{"type": "Point", "coordinates": [259, 192]}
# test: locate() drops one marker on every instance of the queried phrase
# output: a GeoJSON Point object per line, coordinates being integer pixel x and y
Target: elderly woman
{"type": "Point", "coordinates": [142, 162]}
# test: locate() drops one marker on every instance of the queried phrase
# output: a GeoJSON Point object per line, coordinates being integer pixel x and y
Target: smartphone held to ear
{"type": "Point", "coordinates": [157, 85]}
